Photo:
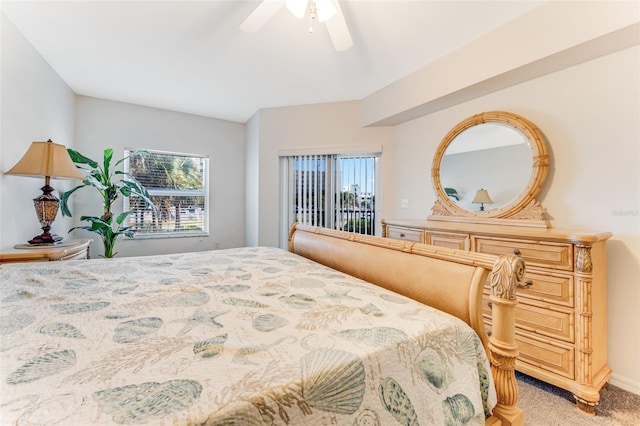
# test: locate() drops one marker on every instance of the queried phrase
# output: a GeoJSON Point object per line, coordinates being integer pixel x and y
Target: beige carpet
{"type": "Point", "coordinates": [546, 405]}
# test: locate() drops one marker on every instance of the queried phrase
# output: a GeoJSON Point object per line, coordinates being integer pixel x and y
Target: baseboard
{"type": "Point", "coordinates": [625, 383]}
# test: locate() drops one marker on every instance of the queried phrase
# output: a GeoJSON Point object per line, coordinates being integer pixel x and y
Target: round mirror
{"type": "Point", "coordinates": [491, 165]}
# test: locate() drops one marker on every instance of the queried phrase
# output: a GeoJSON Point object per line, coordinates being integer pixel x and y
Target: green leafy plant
{"type": "Point", "coordinates": [111, 184]}
{"type": "Point", "coordinates": [452, 193]}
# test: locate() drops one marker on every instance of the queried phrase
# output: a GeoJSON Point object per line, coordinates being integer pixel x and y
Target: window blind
{"type": "Point", "coordinates": [334, 191]}
{"type": "Point", "coordinates": [178, 187]}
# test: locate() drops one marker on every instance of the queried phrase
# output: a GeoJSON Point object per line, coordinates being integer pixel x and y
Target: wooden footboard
{"type": "Point", "coordinates": [449, 280]}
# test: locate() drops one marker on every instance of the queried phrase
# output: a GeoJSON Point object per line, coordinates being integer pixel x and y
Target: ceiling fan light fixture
{"type": "Point", "coordinates": [322, 9]}
{"type": "Point", "coordinates": [297, 7]}
{"type": "Point", "coordinates": [326, 9]}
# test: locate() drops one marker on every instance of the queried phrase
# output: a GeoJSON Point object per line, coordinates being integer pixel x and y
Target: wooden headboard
{"type": "Point", "coordinates": [449, 280]}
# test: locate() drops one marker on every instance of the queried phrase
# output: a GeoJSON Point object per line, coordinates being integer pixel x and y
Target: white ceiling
{"type": "Point", "coordinates": [192, 57]}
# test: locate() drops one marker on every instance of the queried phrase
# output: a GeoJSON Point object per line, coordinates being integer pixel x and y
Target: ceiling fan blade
{"type": "Point", "coordinates": [261, 15]}
{"type": "Point", "coordinates": [338, 30]}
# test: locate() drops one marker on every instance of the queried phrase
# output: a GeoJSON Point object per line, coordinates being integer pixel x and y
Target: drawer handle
{"type": "Point", "coordinates": [516, 252]}
{"type": "Point", "coordinates": [489, 333]}
{"type": "Point", "coordinates": [527, 284]}
{"type": "Point", "coordinates": [402, 235]}
{"type": "Point", "coordinates": [490, 304]}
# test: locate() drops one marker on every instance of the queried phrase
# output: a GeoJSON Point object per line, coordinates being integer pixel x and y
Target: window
{"type": "Point", "coordinates": [178, 186]}
{"type": "Point", "coordinates": [334, 191]}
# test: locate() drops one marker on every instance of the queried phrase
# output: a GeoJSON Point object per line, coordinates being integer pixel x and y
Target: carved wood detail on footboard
{"type": "Point", "coordinates": [507, 273]}
{"type": "Point", "coordinates": [401, 265]}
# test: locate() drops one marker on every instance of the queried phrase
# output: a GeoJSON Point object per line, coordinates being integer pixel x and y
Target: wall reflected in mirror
{"type": "Point", "coordinates": [490, 156]}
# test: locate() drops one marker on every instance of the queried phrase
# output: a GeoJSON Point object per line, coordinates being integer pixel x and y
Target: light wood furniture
{"type": "Point", "coordinates": [428, 274]}
{"type": "Point", "coordinates": [467, 148]}
{"type": "Point", "coordinates": [561, 319]}
{"type": "Point", "coordinates": [67, 250]}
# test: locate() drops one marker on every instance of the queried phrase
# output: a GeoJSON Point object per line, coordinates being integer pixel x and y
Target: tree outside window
{"type": "Point", "coordinates": [177, 185]}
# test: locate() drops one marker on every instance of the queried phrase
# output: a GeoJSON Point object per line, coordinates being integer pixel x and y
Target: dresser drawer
{"type": "Point", "coordinates": [535, 253]}
{"type": "Point", "coordinates": [406, 234]}
{"type": "Point", "coordinates": [546, 322]}
{"type": "Point", "coordinates": [556, 289]}
{"type": "Point", "coordinates": [548, 288]}
{"type": "Point", "coordinates": [543, 355]}
{"type": "Point", "coordinates": [549, 357]}
{"type": "Point", "coordinates": [449, 239]}
{"type": "Point", "coordinates": [557, 324]}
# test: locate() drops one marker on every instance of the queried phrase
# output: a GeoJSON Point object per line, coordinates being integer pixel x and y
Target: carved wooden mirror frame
{"type": "Point", "coordinates": [524, 210]}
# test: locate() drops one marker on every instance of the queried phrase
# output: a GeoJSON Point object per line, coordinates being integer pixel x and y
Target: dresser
{"type": "Point", "coordinates": [561, 318]}
{"type": "Point", "coordinates": [67, 250]}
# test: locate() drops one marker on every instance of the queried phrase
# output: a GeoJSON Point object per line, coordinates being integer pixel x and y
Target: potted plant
{"type": "Point", "coordinates": [110, 184]}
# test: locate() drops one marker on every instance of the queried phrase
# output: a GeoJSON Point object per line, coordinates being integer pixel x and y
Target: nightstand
{"type": "Point", "coordinates": [67, 250]}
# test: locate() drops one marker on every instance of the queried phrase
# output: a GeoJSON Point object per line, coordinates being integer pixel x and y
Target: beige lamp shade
{"type": "Point", "coordinates": [46, 159]}
{"type": "Point", "coordinates": [482, 196]}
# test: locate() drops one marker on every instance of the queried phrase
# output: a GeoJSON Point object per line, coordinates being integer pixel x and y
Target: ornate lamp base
{"type": "Point", "coordinates": [46, 206]}
{"type": "Point", "coordinates": [46, 239]}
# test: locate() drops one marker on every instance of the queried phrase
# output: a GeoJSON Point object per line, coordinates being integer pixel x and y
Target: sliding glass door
{"type": "Point", "coordinates": [335, 191]}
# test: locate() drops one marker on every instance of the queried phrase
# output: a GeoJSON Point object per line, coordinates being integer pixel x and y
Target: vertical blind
{"type": "Point", "coordinates": [333, 191]}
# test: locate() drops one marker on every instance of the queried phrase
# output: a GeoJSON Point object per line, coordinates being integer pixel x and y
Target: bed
{"type": "Point", "coordinates": [333, 331]}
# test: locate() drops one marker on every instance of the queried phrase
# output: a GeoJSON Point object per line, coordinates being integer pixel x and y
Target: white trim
{"type": "Point", "coordinates": [284, 195]}
{"type": "Point", "coordinates": [362, 150]}
{"type": "Point", "coordinates": [379, 197]}
{"type": "Point", "coordinates": [625, 383]}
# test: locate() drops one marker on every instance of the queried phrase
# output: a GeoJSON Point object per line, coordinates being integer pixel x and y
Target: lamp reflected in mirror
{"type": "Point", "coordinates": [48, 160]}
{"type": "Point", "coordinates": [482, 197]}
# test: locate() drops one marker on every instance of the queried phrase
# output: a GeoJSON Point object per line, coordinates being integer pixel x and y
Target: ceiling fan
{"type": "Point", "coordinates": [327, 11]}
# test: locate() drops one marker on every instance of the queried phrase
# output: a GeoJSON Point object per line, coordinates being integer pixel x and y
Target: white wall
{"type": "Point", "coordinates": [35, 105]}
{"type": "Point", "coordinates": [551, 37]}
{"type": "Point", "coordinates": [590, 114]}
{"type": "Point", "coordinates": [104, 124]}
{"type": "Point", "coordinates": [502, 171]}
{"type": "Point", "coordinates": [252, 182]}
{"type": "Point", "coordinates": [303, 127]}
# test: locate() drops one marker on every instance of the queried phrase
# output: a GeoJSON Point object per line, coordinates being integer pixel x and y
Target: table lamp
{"type": "Point", "coordinates": [482, 198]}
{"type": "Point", "coordinates": [48, 160]}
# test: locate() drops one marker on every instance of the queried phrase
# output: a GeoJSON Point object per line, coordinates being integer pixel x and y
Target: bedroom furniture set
{"type": "Point", "coordinates": [340, 329]}
{"type": "Point", "coordinates": [561, 318]}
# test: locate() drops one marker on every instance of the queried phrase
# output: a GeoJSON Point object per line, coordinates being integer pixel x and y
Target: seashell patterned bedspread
{"type": "Point", "coordinates": [236, 337]}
